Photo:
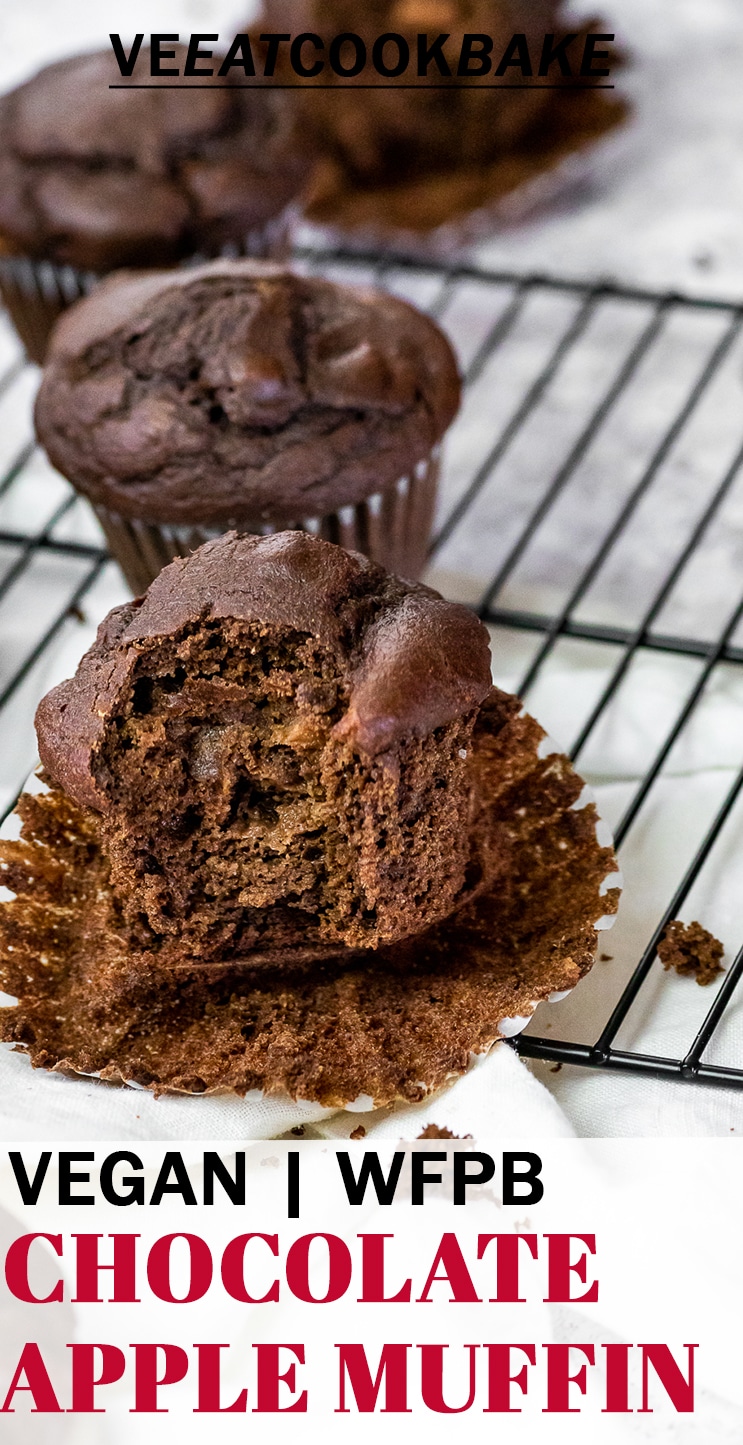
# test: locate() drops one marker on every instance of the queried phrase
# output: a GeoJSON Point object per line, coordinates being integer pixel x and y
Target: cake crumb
{"type": "Point", "coordinates": [358, 1133]}
{"type": "Point", "coordinates": [692, 950]}
{"type": "Point", "coordinates": [436, 1131]}
{"type": "Point", "coordinates": [606, 957]}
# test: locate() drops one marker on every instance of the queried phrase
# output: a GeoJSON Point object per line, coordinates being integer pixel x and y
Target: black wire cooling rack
{"type": "Point", "coordinates": [591, 512]}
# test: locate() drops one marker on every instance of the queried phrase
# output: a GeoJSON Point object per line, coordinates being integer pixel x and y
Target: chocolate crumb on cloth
{"type": "Point", "coordinates": [692, 951]}
{"type": "Point", "coordinates": [98, 177]}
{"type": "Point", "coordinates": [396, 1023]}
{"type": "Point", "coordinates": [400, 160]}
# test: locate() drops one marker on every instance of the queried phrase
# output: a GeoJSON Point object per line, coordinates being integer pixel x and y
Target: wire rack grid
{"type": "Point", "coordinates": [591, 511]}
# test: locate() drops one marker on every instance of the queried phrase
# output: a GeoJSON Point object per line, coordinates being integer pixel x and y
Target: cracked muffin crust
{"type": "Point", "coordinates": [98, 178]}
{"type": "Point", "coordinates": [238, 392]}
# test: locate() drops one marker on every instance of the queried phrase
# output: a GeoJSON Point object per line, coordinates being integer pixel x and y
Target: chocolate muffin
{"type": "Point", "coordinates": [394, 130]}
{"type": "Point", "coordinates": [410, 153]}
{"type": "Point", "coordinates": [277, 739]}
{"type": "Point", "coordinates": [281, 743]}
{"type": "Point", "coordinates": [238, 394]}
{"type": "Point", "coordinates": [93, 178]}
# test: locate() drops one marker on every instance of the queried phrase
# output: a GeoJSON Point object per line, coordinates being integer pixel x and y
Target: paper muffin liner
{"type": "Point", "coordinates": [391, 527]}
{"type": "Point", "coordinates": [395, 1031]}
{"type": "Point", "coordinates": [361, 220]}
{"type": "Point", "coordinates": [35, 293]}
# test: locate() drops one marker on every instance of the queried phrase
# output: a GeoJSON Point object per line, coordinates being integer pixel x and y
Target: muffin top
{"type": "Point", "coordinates": [239, 392]}
{"type": "Point", "coordinates": [413, 661]}
{"type": "Point", "coordinates": [100, 178]}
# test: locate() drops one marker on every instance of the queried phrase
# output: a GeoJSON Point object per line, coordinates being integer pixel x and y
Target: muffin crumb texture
{"type": "Point", "coordinates": [692, 951]}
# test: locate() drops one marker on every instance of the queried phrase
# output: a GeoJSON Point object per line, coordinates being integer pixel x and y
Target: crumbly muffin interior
{"type": "Point", "coordinates": [239, 818]}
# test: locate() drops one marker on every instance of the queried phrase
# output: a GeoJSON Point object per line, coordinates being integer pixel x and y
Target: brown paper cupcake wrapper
{"type": "Point", "coordinates": [392, 527]}
{"type": "Point", "coordinates": [35, 293]}
{"type": "Point", "coordinates": [400, 1023]}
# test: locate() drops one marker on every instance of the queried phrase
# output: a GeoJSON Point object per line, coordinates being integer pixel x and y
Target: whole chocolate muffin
{"type": "Point", "coordinates": [92, 178]}
{"type": "Point", "coordinates": [277, 739]}
{"type": "Point", "coordinates": [239, 394]}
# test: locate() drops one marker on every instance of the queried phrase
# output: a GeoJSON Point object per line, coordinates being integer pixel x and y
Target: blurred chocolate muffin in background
{"type": "Point", "coordinates": [416, 158]}
{"type": "Point", "coordinates": [278, 743]}
{"type": "Point", "coordinates": [93, 178]}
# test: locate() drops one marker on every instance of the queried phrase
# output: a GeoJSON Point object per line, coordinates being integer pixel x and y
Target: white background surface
{"type": "Point", "coordinates": [662, 1279]}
